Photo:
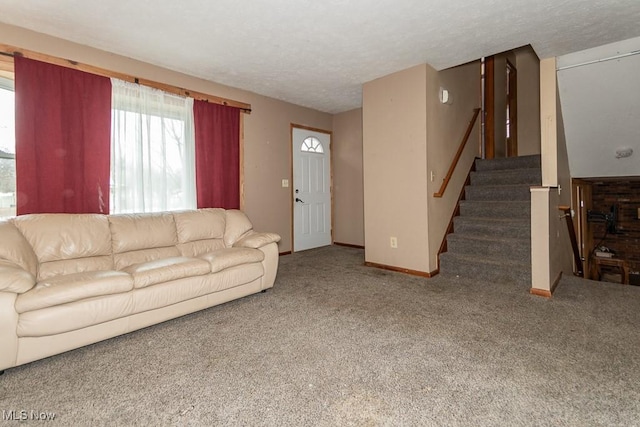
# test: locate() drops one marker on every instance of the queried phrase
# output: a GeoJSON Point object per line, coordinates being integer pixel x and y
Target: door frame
{"type": "Point", "coordinates": [489, 107]}
{"type": "Point", "coordinates": [511, 149]}
{"type": "Point", "coordinates": [291, 194]}
{"type": "Point", "coordinates": [582, 201]}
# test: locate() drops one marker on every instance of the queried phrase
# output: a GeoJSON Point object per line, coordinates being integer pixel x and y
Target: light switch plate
{"type": "Point", "coordinates": [285, 183]}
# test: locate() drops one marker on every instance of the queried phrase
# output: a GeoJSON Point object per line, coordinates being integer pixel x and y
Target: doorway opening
{"type": "Point", "coordinates": [499, 93]}
{"type": "Point", "coordinates": [606, 218]}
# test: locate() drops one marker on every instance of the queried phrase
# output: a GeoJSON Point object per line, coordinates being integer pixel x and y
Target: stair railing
{"type": "Point", "coordinates": [456, 159]}
{"type": "Point", "coordinates": [574, 241]}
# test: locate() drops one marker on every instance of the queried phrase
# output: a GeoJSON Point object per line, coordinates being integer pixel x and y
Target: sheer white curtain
{"type": "Point", "coordinates": [152, 150]}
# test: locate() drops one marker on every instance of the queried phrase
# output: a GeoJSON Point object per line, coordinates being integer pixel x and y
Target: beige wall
{"type": "Point", "coordinates": [540, 238]}
{"type": "Point", "coordinates": [348, 186]}
{"type": "Point", "coordinates": [266, 129]}
{"type": "Point", "coordinates": [528, 66]}
{"type": "Point", "coordinates": [550, 246]}
{"type": "Point", "coordinates": [395, 173]}
{"type": "Point", "coordinates": [548, 122]}
{"type": "Point", "coordinates": [561, 252]}
{"type": "Point", "coordinates": [446, 126]}
{"type": "Point", "coordinates": [408, 137]}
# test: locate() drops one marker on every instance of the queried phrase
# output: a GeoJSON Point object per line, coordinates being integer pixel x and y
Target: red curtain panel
{"type": "Point", "coordinates": [63, 131]}
{"type": "Point", "coordinates": [217, 134]}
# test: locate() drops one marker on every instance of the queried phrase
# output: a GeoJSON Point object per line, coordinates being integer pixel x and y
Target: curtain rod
{"type": "Point", "coordinates": [11, 51]}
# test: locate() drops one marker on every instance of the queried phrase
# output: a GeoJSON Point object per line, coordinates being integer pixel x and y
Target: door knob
{"type": "Point", "coordinates": [298, 200]}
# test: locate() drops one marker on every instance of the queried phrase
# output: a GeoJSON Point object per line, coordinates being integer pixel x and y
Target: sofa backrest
{"type": "Point", "coordinates": [237, 225]}
{"type": "Point", "coordinates": [67, 243]}
{"type": "Point", "coordinates": [138, 238]}
{"type": "Point", "coordinates": [15, 248]}
{"type": "Point", "coordinates": [48, 245]}
{"type": "Point", "coordinates": [201, 231]}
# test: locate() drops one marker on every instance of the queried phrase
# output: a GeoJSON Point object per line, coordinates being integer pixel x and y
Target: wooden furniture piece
{"type": "Point", "coordinates": [602, 264]}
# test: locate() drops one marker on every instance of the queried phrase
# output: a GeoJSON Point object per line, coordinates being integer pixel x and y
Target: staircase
{"type": "Point", "coordinates": [492, 235]}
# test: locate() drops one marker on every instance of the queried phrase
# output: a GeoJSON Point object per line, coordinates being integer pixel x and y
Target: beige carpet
{"type": "Point", "coordinates": [337, 343]}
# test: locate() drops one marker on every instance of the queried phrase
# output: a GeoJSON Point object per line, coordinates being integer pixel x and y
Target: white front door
{"type": "Point", "coordinates": [311, 189]}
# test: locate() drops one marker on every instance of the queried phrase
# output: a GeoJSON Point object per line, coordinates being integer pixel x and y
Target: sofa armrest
{"type": "Point", "coordinates": [15, 279]}
{"type": "Point", "coordinates": [8, 330]}
{"type": "Point", "coordinates": [256, 240]}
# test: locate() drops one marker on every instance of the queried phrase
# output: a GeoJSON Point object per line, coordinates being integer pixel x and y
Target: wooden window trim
{"type": "Point", "coordinates": [7, 53]}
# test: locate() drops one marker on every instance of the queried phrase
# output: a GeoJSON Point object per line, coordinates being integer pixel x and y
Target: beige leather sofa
{"type": "Point", "coordinates": [70, 280]}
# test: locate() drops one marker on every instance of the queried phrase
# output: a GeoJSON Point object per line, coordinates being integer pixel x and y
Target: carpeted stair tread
{"type": "Point", "coordinates": [486, 239]}
{"type": "Point", "coordinates": [478, 258]}
{"type": "Point", "coordinates": [505, 227]}
{"type": "Point", "coordinates": [531, 176]}
{"type": "Point", "coordinates": [492, 220]}
{"type": "Point", "coordinates": [520, 162]}
{"type": "Point", "coordinates": [498, 192]}
{"type": "Point", "coordinates": [496, 208]}
{"type": "Point", "coordinates": [493, 247]}
{"type": "Point", "coordinates": [486, 268]}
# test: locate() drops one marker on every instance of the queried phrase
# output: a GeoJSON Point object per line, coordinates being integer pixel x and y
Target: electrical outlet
{"type": "Point", "coordinates": [285, 183]}
{"type": "Point", "coordinates": [393, 241]}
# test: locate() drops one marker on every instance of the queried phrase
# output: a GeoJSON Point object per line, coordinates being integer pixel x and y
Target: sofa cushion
{"type": "Point", "coordinates": [237, 225]}
{"type": "Point", "coordinates": [231, 257]}
{"type": "Point", "coordinates": [166, 269]}
{"type": "Point", "coordinates": [200, 231]}
{"type": "Point", "coordinates": [63, 267]}
{"type": "Point", "coordinates": [76, 315]}
{"type": "Point", "coordinates": [257, 240]}
{"type": "Point", "coordinates": [202, 224]}
{"type": "Point", "coordinates": [164, 294]}
{"type": "Point", "coordinates": [132, 232]}
{"type": "Point", "coordinates": [122, 261]}
{"type": "Point", "coordinates": [139, 238]}
{"type": "Point", "coordinates": [15, 278]}
{"type": "Point", "coordinates": [200, 247]}
{"type": "Point", "coordinates": [16, 249]}
{"type": "Point", "coordinates": [55, 237]}
{"type": "Point", "coordinates": [58, 238]}
{"type": "Point", "coordinates": [73, 287]}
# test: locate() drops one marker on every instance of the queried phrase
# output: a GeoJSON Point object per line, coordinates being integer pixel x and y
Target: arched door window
{"type": "Point", "coordinates": [312, 144]}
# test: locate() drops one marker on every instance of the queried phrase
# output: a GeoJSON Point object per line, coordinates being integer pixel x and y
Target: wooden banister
{"type": "Point", "coordinates": [574, 241]}
{"type": "Point", "coordinates": [456, 159]}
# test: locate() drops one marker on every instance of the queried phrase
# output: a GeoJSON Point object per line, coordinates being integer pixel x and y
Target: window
{"type": "Point", "coordinates": [312, 144]}
{"type": "Point", "coordinates": [152, 150]}
{"type": "Point", "coordinates": [7, 149]}
{"type": "Point", "coordinates": [149, 164]}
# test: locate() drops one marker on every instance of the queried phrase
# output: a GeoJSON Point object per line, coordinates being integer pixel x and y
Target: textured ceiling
{"type": "Point", "coordinates": [318, 53]}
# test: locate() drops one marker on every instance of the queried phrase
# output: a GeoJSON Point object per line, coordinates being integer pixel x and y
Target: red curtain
{"type": "Point", "coordinates": [217, 134]}
{"type": "Point", "coordinates": [63, 132]}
